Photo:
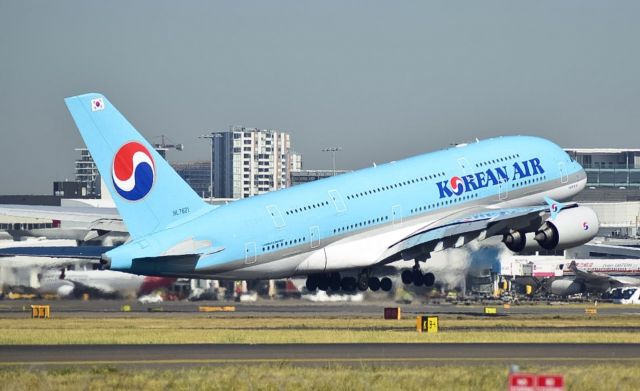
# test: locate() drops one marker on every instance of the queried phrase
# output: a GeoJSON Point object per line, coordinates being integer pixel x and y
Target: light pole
{"type": "Point", "coordinates": [333, 151]}
{"type": "Point", "coordinates": [211, 136]}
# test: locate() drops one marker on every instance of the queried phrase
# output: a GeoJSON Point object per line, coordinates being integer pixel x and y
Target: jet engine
{"type": "Point", "coordinates": [570, 228]}
{"type": "Point", "coordinates": [518, 241]}
{"type": "Point", "coordinates": [566, 287]}
{"type": "Point", "coordinates": [65, 290]}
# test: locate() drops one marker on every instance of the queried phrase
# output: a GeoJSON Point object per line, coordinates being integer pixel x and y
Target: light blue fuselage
{"type": "Point", "coordinates": [294, 230]}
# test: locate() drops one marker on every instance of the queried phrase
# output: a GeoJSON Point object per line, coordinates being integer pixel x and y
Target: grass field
{"type": "Point", "coordinates": [221, 328]}
{"type": "Point", "coordinates": [217, 329]}
{"type": "Point", "coordinates": [285, 377]}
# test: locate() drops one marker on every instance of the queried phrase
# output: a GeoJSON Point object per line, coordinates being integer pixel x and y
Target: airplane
{"type": "Point", "coordinates": [596, 276]}
{"type": "Point", "coordinates": [565, 277]}
{"type": "Point", "coordinates": [342, 231]}
{"type": "Point", "coordinates": [66, 283]}
{"type": "Point", "coordinates": [87, 223]}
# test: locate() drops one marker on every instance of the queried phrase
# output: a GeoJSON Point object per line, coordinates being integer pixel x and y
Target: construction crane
{"type": "Point", "coordinates": [163, 147]}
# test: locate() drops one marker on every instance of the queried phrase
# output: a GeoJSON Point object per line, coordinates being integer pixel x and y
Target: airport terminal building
{"type": "Point", "coordinates": [613, 188]}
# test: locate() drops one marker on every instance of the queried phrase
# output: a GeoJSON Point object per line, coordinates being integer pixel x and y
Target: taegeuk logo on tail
{"type": "Point", "coordinates": [133, 171]}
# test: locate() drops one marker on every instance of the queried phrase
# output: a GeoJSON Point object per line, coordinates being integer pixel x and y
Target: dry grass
{"type": "Point", "coordinates": [217, 329]}
{"type": "Point", "coordinates": [285, 377]}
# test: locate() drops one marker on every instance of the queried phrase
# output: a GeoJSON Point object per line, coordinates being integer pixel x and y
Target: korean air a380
{"type": "Point", "coordinates": [340, 232]}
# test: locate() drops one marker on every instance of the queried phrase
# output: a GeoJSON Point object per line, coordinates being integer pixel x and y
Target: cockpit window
{"type": "Point", "coordinates": [570, 157]}
{"type": "Point", "coordinates": [628, 293]}
{"type": "Point", "coordinates": [616, 293]}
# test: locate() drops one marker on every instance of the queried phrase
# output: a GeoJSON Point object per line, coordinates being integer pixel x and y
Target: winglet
{"type": "Point", "coordinates": [554, 207]}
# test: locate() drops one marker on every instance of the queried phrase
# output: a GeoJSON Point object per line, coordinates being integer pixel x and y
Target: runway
{"type": "Point", "coordinates": [414, 354]}
{"type": "Point", "coordinates": [299, 308]}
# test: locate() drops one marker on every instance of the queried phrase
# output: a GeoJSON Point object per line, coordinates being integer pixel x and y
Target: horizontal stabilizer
{"type": "Point", "coordinates": [168, 265]}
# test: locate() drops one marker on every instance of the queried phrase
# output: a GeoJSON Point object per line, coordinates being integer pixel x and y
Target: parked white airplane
{"type": "Point", "coordinates": [564, 277]}
{"type": "Point", "coordinates": [67, 283]}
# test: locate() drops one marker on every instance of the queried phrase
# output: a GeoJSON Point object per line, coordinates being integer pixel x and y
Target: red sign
{"type": "Point", "coordinates": [530, 382]}
{"type": "Point", "coordinates": [522, 382]}
{"type": "Point", "coordinates": [392, 313]}
{"type": "Point", "coordinates": [550, 383]}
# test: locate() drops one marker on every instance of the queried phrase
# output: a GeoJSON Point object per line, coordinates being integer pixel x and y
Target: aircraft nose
{"type": "Point", "coordinates": [582, 178]}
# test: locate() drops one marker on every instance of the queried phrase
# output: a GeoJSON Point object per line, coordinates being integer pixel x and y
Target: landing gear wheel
{"type": "Point", "coordinates": [363, 280]}
{"type": "Point", "coordinates": [348, 284]}
{"type": "Point", "coordinates": [417, 278]}
{"type": "Point", "coordinates": [323, 283]}
{"type": "Point", "coordinates": [363, 284]}
{"type": "Point", "coordinates": [312, 283]}
{"type": "Point", "coordinates": [428, 279]}
{"type": "Point", "coordinates": [407, 277]}
{"type": "Point", "coordinates": [374, 283]}
{"type": "Point", "coordinates": [385, 284]}
{"type": "Point", "coordinates": [334, 281]}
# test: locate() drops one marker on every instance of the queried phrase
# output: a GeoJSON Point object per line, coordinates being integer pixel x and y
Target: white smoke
{"type": "Point", "coordinates": [452, 266]}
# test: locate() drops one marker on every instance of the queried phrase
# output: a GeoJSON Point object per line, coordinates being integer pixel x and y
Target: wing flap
{"type": "Point", "coordinates": [457, 232]}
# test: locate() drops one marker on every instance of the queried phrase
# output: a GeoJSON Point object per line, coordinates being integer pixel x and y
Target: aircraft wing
{"type": "Point", "coordinates": [458, 230]}
{"type": "Point", "coordinates": [80, 252]}
{"type": "Point", "coordinates": [595, 279]}
{"type": "Point", "coordinates": [94, 288]}
{"type": "Point", "coordinates": [106, 219]}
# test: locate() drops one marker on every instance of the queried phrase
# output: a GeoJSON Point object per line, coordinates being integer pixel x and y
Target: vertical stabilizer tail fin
{"type": "Point", "coordinates": [149, 194]}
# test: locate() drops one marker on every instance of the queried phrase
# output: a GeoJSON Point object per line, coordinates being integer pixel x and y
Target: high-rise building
{"type": "Point", "coordinates": [250, 161]}
{"type": "Point", "coordinates": [87, 172]}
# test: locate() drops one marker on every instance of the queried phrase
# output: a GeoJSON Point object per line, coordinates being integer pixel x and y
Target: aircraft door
{"type": "Point", "coordinates": [338, 202]}
{"type": "Point", "coordinates": [503, 189]}
{"type": "Point", "coordinates": [276, 216]}
{"type": "Point", "coordinates": [314, 235]}
{"type": "Point", "coordinates": [396, 214]}
{"type": "Point", "coordinates": [464, 164]}
{"type": "Point", "coordinates": [564, 178]}
{"type": "Point", "coordinates": [250, 253]}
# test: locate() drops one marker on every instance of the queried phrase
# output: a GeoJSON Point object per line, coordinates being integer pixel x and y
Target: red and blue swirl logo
{"type": "Point", "coordinates": [133, 171]}
{"type": "Point", "coordinates": [456, 185]}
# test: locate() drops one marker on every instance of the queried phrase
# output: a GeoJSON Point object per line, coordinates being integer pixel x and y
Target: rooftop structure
{"type": "Point", "coordinates": [609, 167]}
{"type": "Point", "coordinates": [304, 176]}
{"type": "Point", "coordinates": [196, 174]}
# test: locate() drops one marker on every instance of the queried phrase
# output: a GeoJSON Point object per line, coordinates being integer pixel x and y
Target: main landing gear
{"type": "Point", "coordinates": [416, 277]}
{"type": "Point", "coordinates": [333, 282]}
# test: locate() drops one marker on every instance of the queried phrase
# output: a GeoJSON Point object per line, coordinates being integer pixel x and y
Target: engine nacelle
{"type": "Point", "coordinates": [571, 227]}
{"type": "Point", "coordinates": [65, 290]}
{"type": "Point", "coordinates": [518, 241]}
{"type": "Point", "coordinates": [566, 287]}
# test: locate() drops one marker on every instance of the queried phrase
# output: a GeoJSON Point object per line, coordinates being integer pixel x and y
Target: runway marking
{"type": "Point", "coordinates": [315, 360]}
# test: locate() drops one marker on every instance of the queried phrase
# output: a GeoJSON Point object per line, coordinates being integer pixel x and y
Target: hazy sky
{"type": "Point", "coordinates": [384, 80]}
